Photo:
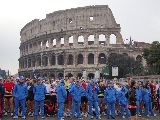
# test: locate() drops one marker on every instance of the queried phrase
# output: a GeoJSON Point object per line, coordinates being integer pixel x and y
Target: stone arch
{"type": "Point", "coordinates": [53, 60]}
{"type": "Point", "coordinates": [71, 41]}
{"type": "Point", "coordinates": [47, 44]}
{"type": "Point", "coordinates": [90, 39]}
{"type": "Point", "coordinates": [70, 60]}
{"type": "Point", "coordinates": [102, 58]}
{"type": "Point", "coordinates": [112, 39]}
{"type": "Point", "coordinates": [80, 40]}
{"type": "Point", "coordinates": [62, 41]}
{"type": "Point", "coordinates": [80, 59]}
{"type": "Point", "coordinates": [60, 75]}
{"type": "Point", "coordinates": [38, 60]}
{"type": "Point", "coordinates": [90, 58]}
{"type": "Point", "coordinates": [29, 63]}
{"type": "Point", "coordinates": [139, 58]}
{"type": "Point", "coordinates": [102, 39]}
{"type": "Point", "coordinates": [33, 62]}
{"type": "Point", "coordinates": [79, 75]}
{"type": "Point", "coordinates": [91, 76]}
{"type": "Point", "coordinates": [44, 60]}
{"type": "Point", "coordinates": [60, 59]}
{"type": "Point", "coordinates": [54, 42]}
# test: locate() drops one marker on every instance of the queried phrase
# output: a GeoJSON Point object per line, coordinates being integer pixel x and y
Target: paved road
{"type": "Point", "coordinates": [103, 118]}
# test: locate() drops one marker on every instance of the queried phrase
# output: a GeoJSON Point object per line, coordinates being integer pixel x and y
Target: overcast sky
{"type": "Point", "coordinates": [138, 18]}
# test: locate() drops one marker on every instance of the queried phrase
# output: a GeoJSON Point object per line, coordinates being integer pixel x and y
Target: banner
{"type": "Point", "coordinates": [105, 70]}
{"type": "Point", "coordinates": [114, 71]}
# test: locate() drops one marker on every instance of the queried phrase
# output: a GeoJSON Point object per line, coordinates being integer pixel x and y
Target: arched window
{"type": "Point", "coordinates": [29, 63]}
{"type": "Point", "coordinates": [80, 59]}
{"type": "Point", "coordinates": [70, 60]}
{"type": "Point", "coordinates": [91, 58]}
{"type": "Point", "coordinates": [45, 61]}
{"type": "Point", "coordinates": [81, 40]}
{"type": "Point", "coordinates": [102, 58]}
{"type": "Point", "coordinates": [90, 75]}
{"type": "Point", "coordinates": [60, 60]}
{"type": "Point", "coordinates": [91, 40]}
{"type": "Point", "coordinates": [102, 39]}
{"type": "Point", "coordinates": [112, 39]}
{"type": "Point", "coordinates": [139, 58]}
{"type": "Point", "coordinates": [39, 61]}
{"type": "Point", "coordinates": [53, 60]}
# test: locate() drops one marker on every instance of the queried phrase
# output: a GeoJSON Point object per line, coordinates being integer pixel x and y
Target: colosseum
{"type": "Point", "coordinates": [73, 42]}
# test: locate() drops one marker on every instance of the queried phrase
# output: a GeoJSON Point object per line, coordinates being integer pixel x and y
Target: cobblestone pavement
{"type": "Point", "coordinates": [103, 118]}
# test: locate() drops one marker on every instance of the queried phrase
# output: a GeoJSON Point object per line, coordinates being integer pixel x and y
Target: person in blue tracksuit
{"type": "Point", "coordinates": [77, 91]}
{"type": "Point", "coordinates": [20, 92]}
{"type": "Point", "coordinates": [39, 91]}
{"type": "Point", "coordinates": [147, 98]}
{"type": "Point", "coordinates": [139, 99]}
{"type": "Point", "coordinates": [110, 96]}
{"type": "Point", "coordinates": [61, 97]}
{"type": "Point", "coordinates": [92, 95]}
{"type": "Point", "coordinates": [158, 93]}
{"type": "Point", "coordinates": [121, 96]}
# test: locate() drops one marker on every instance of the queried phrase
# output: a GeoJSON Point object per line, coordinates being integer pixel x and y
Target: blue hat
{"type": "Point", "coordinates": [111, 82]}
{"type": "Point", "coordinates": [40, 78]}
{"type": "Point", "coordinates": [77, 80]}
{"type": "Point", "coordinates": [21, 78]}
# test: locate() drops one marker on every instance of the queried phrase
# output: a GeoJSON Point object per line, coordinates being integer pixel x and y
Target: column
{"type": "Point", "coordinates": [75, 40]}
{"type": "Point", "coordinates": [96, 58]}
{"type": "Point", "coordinates": [41, 60]}
{"type": "Point", "coordinates": [119, 39]}
{"type": "Point", "coordinates": [49, 57]}
{"type": "Point", "coordinates": [85, 40]}
{"type": "Point", "coordinates": [85, 56]}
{"type": "Point", "coordinates": [56, 59]}
{"type": "Point", "coordinates": [50, 42]}
{"type": "Point", "coordinates": [96, 39]}
{"type": "Point", "coordinates": [107, 40]}
{"type": "Point", "coordinates": [66, 41]}
{"type": "Point", "coordinates": [58, 42]}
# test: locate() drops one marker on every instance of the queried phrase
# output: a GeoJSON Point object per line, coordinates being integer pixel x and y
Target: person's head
{"type": "Point", "coordinates": [133, 84]}
{"type": "Point", "coordinates": [1, 79]}
{"type": "Point", "coordinates": [111, 84]}
{"type": "Point", "coordinates": [71, 80]}
{"type": "Point", "coordinates": [78, 83]}
{"type": "Point", "coordinates": [39, 80]}
{"type": "Point", "coordinates": [21, 79]}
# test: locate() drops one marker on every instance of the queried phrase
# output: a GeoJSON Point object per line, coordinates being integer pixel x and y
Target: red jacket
{"type": "Point", "coordinates": [8, 86]}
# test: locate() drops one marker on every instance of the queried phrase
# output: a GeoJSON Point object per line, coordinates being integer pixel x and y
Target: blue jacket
{"type": "Point", "coordinates": [39, 91]}
{"type": "Point", "coordinates": [77, 92]}
{"type": "Point", "coordinates": [20, 91]}
{"type": "Point", "coordinates": [110, 95]}
{"type": "Point", "coordinates": [70, 87]}
{"type": "Point", "coordinates": [121, 96]}
{"type": "Point", "coordinates": [61, 93]}
{"type": "Point", "coordinates": [158, 92]}
{"type": "Point", "coordinates": [91, 94]}
{"type": "Point", "coordinates": [139, 94]}
{"type": "Point", "coordinates": [146, 94]}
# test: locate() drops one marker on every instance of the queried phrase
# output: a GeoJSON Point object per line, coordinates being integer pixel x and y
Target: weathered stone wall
{"type": "Point", "coordinates": [61, 43]}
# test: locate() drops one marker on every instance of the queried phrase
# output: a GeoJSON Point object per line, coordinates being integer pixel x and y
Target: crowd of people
{"type": "Point", "coordinates": [78, 98]}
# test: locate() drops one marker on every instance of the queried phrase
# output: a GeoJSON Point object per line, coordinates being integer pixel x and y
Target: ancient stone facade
{"type": "Point", "coordinates": [69, 42]}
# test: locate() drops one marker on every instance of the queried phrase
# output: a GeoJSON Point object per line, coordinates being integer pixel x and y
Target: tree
{"type": "Point", "coordinates": [126, 64]}
{"type": "Point", "coordinates": [152, 56]}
